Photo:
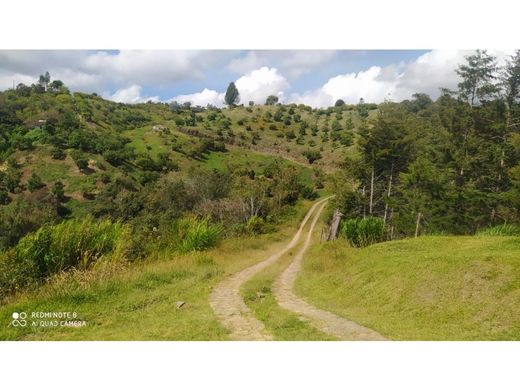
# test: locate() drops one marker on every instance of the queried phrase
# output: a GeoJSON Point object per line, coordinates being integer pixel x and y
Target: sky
{"type": "Point", "coordinates": [313, 77]}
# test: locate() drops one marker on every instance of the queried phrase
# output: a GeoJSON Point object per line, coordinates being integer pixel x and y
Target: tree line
{"type": "Point", "coordinates": [444, 166]}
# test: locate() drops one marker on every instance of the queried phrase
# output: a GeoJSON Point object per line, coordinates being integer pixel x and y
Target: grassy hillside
{"type": "Point", "coordinates": [430, 288]}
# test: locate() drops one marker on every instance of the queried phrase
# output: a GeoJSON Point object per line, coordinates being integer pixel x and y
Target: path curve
{"type": "Point", "coordinates": [230, 308]}
{"type": "Point", "coordinates": [323, 320]}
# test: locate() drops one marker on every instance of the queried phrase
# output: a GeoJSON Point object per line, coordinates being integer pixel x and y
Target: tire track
{"type": "Point", "coordinates": [230, 308]}
{"type": "Point", "coordinates": [323, 320]}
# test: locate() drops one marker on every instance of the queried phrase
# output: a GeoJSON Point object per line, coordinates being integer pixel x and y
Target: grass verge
{"type": "Point", "coordinates": [430, 288]}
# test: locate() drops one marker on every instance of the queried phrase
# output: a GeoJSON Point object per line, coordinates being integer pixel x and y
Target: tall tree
{"type": "Point", "coordinates": [477, 74]}
{"type": "Point", "coordinates": [232, 96]}
{"type": "Point", "coordinates": [44, 80]}
{"type": "Point", "coordinates": [511, 83]}
{"type": "Point", "coordinates": [271, 100]}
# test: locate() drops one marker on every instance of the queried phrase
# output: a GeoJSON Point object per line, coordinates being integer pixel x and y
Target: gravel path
{"type": "Point", "coordinates": [323, 320]}
{"type": "Point", "coordinates": [229, 306]}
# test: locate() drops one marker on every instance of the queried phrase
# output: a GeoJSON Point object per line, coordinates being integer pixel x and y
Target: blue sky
{"type": "Point", "coordinates": [314, 77]}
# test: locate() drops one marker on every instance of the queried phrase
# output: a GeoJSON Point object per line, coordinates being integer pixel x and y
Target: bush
{"type": "Point", "coordinates": [58, 153]}
{"type": "Point", "coordinates": [500, 230]}
{"type": "Point", "coordinates": [55, 248]}
{"type": "Point", "coordinates": [312, 155]}
{"type": "Point", "coordinates": [80, 160]}
{"type": "Point", "coordinates": [256, 225]}
{"type": "Point", "coordinates": [4, 197]}
{"type": "Point", "coordinates": [34, 183]}
{"type": "Point", "coordinates": [308, 192]}
{"type": "Point", "coordinates": [190, 234]}
{"type": "Point", "coordinates": [363, 232]}
{"type": "Point", "coordinates": [71, 244]}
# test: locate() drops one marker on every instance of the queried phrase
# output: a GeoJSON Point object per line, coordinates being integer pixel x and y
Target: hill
{"type": "Point", "coordinates": [94, 147]}
{"type": "Point", "coordinates": [68, 156]}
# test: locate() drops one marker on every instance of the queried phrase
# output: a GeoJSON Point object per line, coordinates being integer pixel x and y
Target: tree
{"type": "Point", "coordinates": [271, 100]}
{"type": "Point", "coordinates": [362, 109]}
{"type": "Point", "coordinates": [57, 86]}
{"type": "Point", "coordinates": [232, 96]}
{"type": "Point", "coordinates": [477, 76]}
{"type": "Point", "coordinates": [511, 82]}
{"type": "Point", "coordinates": [44, 80]}
{"type": "Point", "coordinates": [23, 90]}
{"type": "Point", "coordinates": [339, 103]}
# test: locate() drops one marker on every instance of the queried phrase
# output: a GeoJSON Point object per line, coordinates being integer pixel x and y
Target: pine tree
{"type": "Point", "coordinates": [232, 97]}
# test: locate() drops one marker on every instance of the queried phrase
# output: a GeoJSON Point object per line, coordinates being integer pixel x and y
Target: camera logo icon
{"type": "Point", "coordinates": [19, 319]}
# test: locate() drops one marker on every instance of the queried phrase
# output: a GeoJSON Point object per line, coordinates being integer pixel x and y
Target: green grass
{"type": "Point", "coordinates": [136, 301]}
{"type": "Point", "coordinates": [430, 288]}
{"type": "Point", "coordinates": [283, 324]}
{"type": "Point", "coordinates": [501, 230]}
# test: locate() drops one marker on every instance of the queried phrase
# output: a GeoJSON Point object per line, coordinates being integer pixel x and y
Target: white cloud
{"type": "Point", "coordinates": [350, 87]}
{"type": "Point", "coordinates": [253, 86]}
{"type": "Point", "coordinates": [260, 83]}
{"type": "Point", "coordinates": [91, 71]}
{"type": "Point", "coordinates": [207, 96]}
{"type": "Point", "coordinates": [151, 66]}
{"type": "Point", "coordinates": [427, 74]}
{"type": "Point", "coordinates": [131, 94]}
{"type": "Point", "coordinates": [6, 80]}
{"type": "Point", "coordinates": [293, 63]}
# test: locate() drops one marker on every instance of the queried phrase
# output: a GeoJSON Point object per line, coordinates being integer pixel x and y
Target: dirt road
{"type": "Point", "coordinates": [323, 320]}
{"type": "Point", "coordinates": [229, 306]}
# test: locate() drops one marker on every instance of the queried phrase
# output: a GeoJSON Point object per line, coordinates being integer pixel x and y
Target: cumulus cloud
{"type": "Point", "coordinates": [92, 71]}
{"type": "Point", "coordinates": [293, 63]}
{"type": "Point", "coordinates": [260, 83]}
{"type": "Point", "coordinates": [253, 86]}
{"type": "Point", "coordinates": [427, 74]}
{"type": "Point", "coordinates": [207, 96]}
{"type": "Point", "coordinates": [350, 87]}
{"type": "Point", "coordinates": [131, 94]}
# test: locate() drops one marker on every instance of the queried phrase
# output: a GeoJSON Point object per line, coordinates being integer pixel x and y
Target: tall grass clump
{"type": "Point", "coordinates": [363, 232]}
{"type": "Point", "coordinates": [55, 248]}
{"type": "Point", "coordinates": [192, 234]}
{"type": "Point", "coordinates": [500, 230]}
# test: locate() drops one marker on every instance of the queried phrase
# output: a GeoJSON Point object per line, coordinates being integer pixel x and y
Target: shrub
{"type": "Point", "coordinates": [4, 197]}
{"type": "Point", "coordinates": [500, 230]}
{"type": "Point", "coordinates": [55, 248]}
{"type": "Point", "coordinates": [58, 153]}
{"type": "Point", "coordinates": [58, 190]}
{"type": "Point", "coordinates": [190, 234]}
{"type": "Point", "coordinates": [312, 155]}
{"type": "Point", "coordinates": [80, 160]}
{"type": "Point", "coordinates": [71, 244]}
{"type": "Point", "coordinates": [363, 232]}
{"type": "Point", "coordinates": [34, 183]}
{"type": "Point", "coordinates": [308, 192]}
{"type": "Point", "coordinates": [256, 225]}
